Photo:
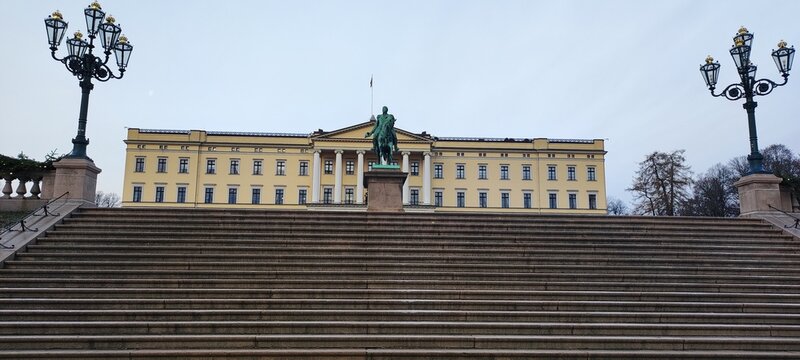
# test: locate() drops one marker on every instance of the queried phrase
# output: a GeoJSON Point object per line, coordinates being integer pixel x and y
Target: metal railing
{"type": "Point", "coordinates": [46, 212]}
{"type": "Point", "coordinates": [796, 224]}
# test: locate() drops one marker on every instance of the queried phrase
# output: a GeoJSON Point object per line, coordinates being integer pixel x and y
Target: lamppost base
{"type": "Point", "coordinates": [78, 150]}
{"type": "Point", "coordinates": [78, 177]}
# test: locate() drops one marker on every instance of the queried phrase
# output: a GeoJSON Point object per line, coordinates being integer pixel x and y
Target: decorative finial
{"type": "Point", "coordinates": [95, 5]}
{"type": "Point", "coordinates": [709, 59]}
{"type": "Point", "coordinates": [742, 30]}
{"type": "Point", "coordinates": [110, 19]}
{"type": "Point", "coordinates": [782, 44]}
{"type": "Point", "coordinates": [123, 39]}
{"type": "Point", "coordinates": [57, 15]}
{"type": "Point", "coordinates": [739, 42]}
{"type": "Point", "coordinates": [78, 35]}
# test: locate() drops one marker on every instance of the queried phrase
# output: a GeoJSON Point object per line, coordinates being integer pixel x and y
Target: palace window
{"type": "Point", "coordinates": [482, 199]}
{"type": "Point", "coordinates": [526, 172]}
{"type": "Point", "coordinates": [234, 167]}
{"type": "Point", "coordinates": [211, 166]}
{"type": "Point", "coordinates": [280, 167]}
{"type": "Point", "coordinates": [278, 196]}
{"type": "Point", "coordinates": [369, 165]}
{"type": "Point", "coordinates": [139, 165]}
{"type": "Point", "coordinates": [327, 195]}
{"type": "Point", "coordinates": [137, 194]}
{"type": "Point", "coordinates": [460, 199]}
{"type": "Point", "coordinates": [551, 172]}
{"type": "Point", "coordinates": [209, 198]}
{"type": "Point", "coordinates": [553, 197]}
{"type": "Point", "coordinates": [329, 166]}
{"type": "Point", "coordinates": [183, 165]}
{"type": "Point", "coordinates": [256, 196]}
{"type": "Point", "coordinates": [257, 167]}
{"type": "Point", "coordinates": [304, 168]}
{"type": "Point", "coordinates": [593, 201]}
{"type": "Point", "coordinates": [526, 200]}
{"type": "Point", "coordinates": [162, 165]}
{"type": "Point", "coordinates": [159, 194]}
{"type": "Point", "coordinates": [503, 172]}
{"type": "Point", "coordinates": [349, 196]}
{"type": "Point", "coordinates": [232, 195]}
{"type": "Point", "coordinates": [482, 172]}
{"type": "Point", "coordinates": [415, 168]}
{"type": "Point", "coordinates": [301, 196]}
{"type": "Point", "coordinates": [571, 173]}
{"type": "Point", "coordinates": [349, 167]}
{"type": "Point", "coordinates": [460, 171]}
{"type": "Point", "coordinates": [573, 201]}
{"type": "Point", "coordinates": [438, 172]}
{"type": "Point", "coordinates": [437, 198]}
{"type": "Point", "coordinates": [591, 174]}
{"type": "Point", "coordinates": [414, 197]}
{"type": "Point", "coordinates": [181, 194]}
{"type": "Point", "coordinates": [504, 200]}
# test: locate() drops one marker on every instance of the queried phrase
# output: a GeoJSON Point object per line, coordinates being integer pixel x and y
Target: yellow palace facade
{"type": "Point", "coordinates": [324, 170]}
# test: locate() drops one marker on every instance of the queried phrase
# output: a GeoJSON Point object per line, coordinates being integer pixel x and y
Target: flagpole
{"type": "Point", "coordinates": [371, 97]}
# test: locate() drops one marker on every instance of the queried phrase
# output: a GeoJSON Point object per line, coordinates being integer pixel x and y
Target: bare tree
{"type": "Point", "coordinates": [661, 186]}
{"type": "Point", "coordinates": [617, 207]}
{"type": "Point", "coordinates": [714, 193]}
{"type": "Point", "coordinates": [107, 200]}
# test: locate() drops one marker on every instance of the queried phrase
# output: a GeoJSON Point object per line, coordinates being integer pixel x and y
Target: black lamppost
{"type": "Point", "coordinates": [82, 62]}
{"type": "Point", "coordinates": [749, 86]}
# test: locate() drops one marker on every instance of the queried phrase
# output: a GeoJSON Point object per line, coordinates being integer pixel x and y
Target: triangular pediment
{"type": "Point", "coordinates": [358, 131]}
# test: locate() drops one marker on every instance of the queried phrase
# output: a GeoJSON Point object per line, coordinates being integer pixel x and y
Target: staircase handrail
{"type": "Point", "coordinates": [10, 227]}
{"type": "Point", "coordinates": [796, 219]}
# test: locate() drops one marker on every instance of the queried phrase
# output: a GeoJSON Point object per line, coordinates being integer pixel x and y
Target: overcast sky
{"type": "Point", "coordinates": [624, 71]}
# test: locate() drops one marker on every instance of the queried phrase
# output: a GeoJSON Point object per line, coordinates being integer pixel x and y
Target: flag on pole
{"type": "Point", "coordinates": [370, 81]}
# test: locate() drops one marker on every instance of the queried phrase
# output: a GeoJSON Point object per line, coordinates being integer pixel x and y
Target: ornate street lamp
{"type": "Point", "coordinates": [749, 87]}
{"type": "Point", "coordinates": [82, 62]}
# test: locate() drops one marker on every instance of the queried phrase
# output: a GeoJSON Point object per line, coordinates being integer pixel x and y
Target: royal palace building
{"type": "Point", "coordinates": [325, 170]}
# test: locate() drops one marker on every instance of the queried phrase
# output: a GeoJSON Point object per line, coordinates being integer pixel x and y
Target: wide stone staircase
{"type": "Point", "coordinates": [238, 284]}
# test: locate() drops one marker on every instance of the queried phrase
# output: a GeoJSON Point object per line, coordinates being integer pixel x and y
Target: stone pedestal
{"type": "Point", "coordinates": [385, 189]}
{"type": "Point", "coordinates": [79, 177]}
{"type": "Point", "coordinates": [757, 192]}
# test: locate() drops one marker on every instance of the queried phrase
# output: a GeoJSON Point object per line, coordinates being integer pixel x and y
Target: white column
{"type": "Point", "coordinates": [315, 178]}
{"type": "Point", "coordinates": [360, 179]}
{"type": "Point", "coordinates": [337, 187]}
{"type": "Point", "coordinates": [426, 180]}
{"type": "Point", "coordinates": [406, 192]}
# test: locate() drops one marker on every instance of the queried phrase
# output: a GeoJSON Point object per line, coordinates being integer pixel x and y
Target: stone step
{"type": "Point", "coordinates": [563, 245]}
{"type": "Point", "coordinates": [519, 252]}
{"type": "Point", "coordinates": [404, 225]}
{"type": "Point", "coordinates": [298, 268]}
{"type": "Point", "coordinates": [407, 294]}
{"type": "Point", "coordinates": [250, 283]}
{"type": "Point", "coordinates": [434, 353]}
{"type": "Point", "coordinates": [10, 328]}
{"type": "Point", "coordinates": [231, 303]}
{"type": "Point", "coordinates": [429, 259]}
{"type": "Point", "coordinates": [373, 276]}
{"type": "Point", "coordinates": [138, 315]}
{"type": "Point", "coordinates": [359, 232]}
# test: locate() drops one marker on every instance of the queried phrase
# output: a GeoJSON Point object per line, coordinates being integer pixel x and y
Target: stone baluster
{"type": "Point", "coordinates": [7, 191]}
{"type": "Point", "coordinates": [21, 189]}
{"type": "Point", "coordinates": [35, 190]}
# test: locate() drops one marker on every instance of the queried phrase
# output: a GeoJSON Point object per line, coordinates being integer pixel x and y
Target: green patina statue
{"type": "Point", "coordinates": [384, 138]}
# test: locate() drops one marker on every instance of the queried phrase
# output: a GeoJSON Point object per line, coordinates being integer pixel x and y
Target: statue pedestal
{"type": "Point", "coordinates": [385, 189]}
{"type": "Point", "coordinates": [78, 176]}
{"type": "Point", "coordinates": [757, 192]}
